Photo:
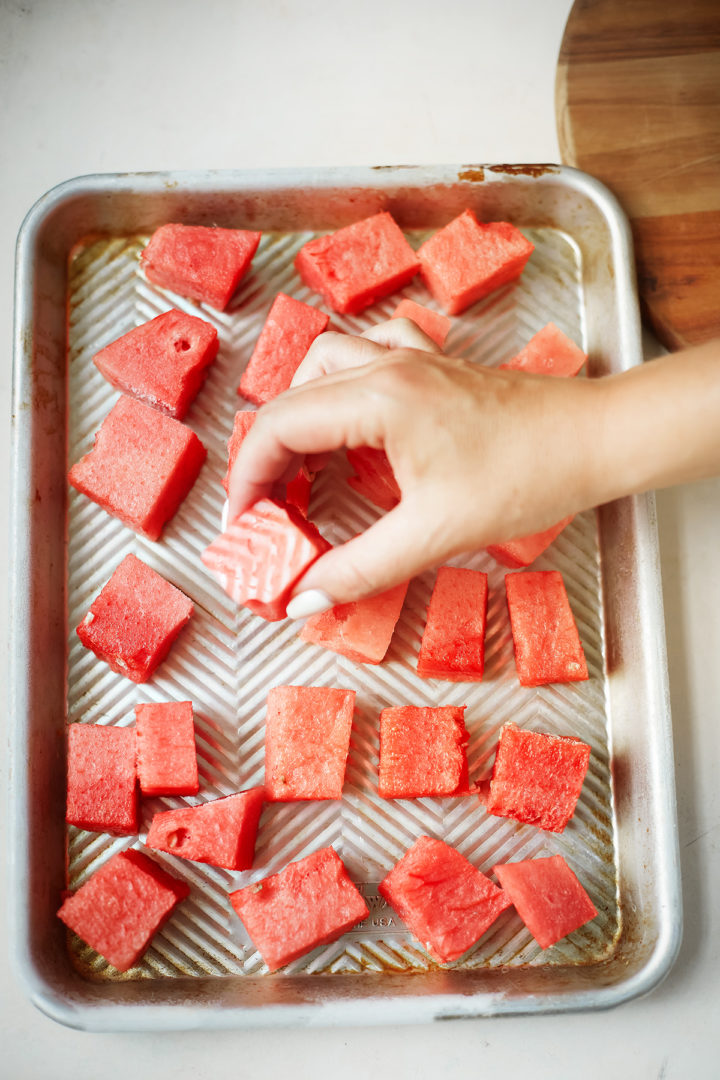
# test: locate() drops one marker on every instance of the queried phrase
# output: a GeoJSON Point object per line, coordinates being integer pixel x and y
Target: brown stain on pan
{"type": "Point", "coordinates": [524, 170]}
{"type": "Point", "coordinates": [474, 173]}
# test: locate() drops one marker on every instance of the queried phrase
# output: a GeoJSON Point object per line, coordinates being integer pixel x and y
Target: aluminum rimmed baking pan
{"type": "Point", "coordinates": [79, 287]}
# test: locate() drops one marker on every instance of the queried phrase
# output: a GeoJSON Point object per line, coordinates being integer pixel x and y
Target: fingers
{"type": "Point", "coordinates": [332, 352]}
{"type": "Point", "coordinates": [401, 333]}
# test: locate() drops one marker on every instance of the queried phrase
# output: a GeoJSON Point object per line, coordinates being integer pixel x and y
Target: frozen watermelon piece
{"type": "Point", "coordinates": [422, 752]}
{"type": "Point", "coordinates": [547, 896]}
{"type": "Point", "coordinates": [289, 331]}
{"type": "Point", "coordinates": [163, 362]}
{"type": "Point", "coordinates": [141, 466]}
{"type": "Point", "coordinates": [545, 637]}
{"type": "Point", "coordinates": [122, 906]}
{"type": "Point", "coordinates": [101, 779]}
{"type": "Point", "coordinates": [311, 902]}
{"type": "Point", "coordinates": [362, 631]}
{"type": "Point", "coordinates": [518, 553]}
{"type": "Point", "coordinates": [263, 554]}
{"type": "Point", "coordinates": [307, 738]}
{"type": "Point", "coordinates": [467, 259]}
{"type": "Point", "coordinates": [435, 325]}
{"type": "Point", "coordinates": [374, 478]}
{"type": "Point", "coordinates": [204, 263]}
{"type": "Point", "coordinates": [297, 491]}
{"type": "Point", "coordinates": [453, 643]}
{"type": "Point", "coordinates": [166, 755]}
{"type": "Point", "coordinates": [221, 832]}
{"type": "Point", "coordinates": [549, 352]}
{"type": "Point", "coordinates": [134, 620]}
{"type": "Point", "coordinates": [446, 902]}
{"type": "Point", "coordinates": [537, 777]}
{"type": "Point", "coordinates": [359, 264]}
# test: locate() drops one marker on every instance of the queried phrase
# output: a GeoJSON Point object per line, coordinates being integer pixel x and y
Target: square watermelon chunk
{"type": "Point", "coordinates": [547, 896]}
{"type": "Point", "coordinates": [453, 643]}
{"type": "Point", "coordinates": [134, 620]}
{"type": "Point", "coordinates": [545, 637]}
{"type": "Point", "coordinates": [422, 752]}
{"type": "Point", "coordinates": [307, 739]}
{"type": "Point", "coordinates": [263, 554]}
{"type": "Point", "coordinates": [374, 478]}
{"type": "Point", "coordinates": [297, 491]}
{"type": "Point", "coordinates": [515, 554]}
{"type": "Point", "coordinates": [163, 362]}
{"type": "Point", "coordinates": [203, 263]}
{"type": "Point", "coordinates": [221, 832]}
{"type": "Point", "coordinates": [141, 466]}
{"type": "Point", "coordinates": [359, 264]}
{"type": "Point", "coordinates": [166, 756]}
{"type": "Point", "coordinates": [466, 260]}
{"type": "Point", "coordinates": [549, 352]}
{"type": "Point", "coordinates": [433, 323]}
{"type": "Point", "coordinates": [122, 906]}
{"type": "Point", "coordinates": [537, 777]}
{"type": "Point", "coordinates": [101, 779]}
{"type": "Point", "coordinates": [363, 630]}
{"type": "Point", "coordinates": [446, 902]}
{"type": "Point", "coordinates": [289, 331]}
{"type": "Point", "coordinates": [310, 903]}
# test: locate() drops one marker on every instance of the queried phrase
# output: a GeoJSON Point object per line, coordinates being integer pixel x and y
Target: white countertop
{"type": "Point", "coordinates": [88, 86]}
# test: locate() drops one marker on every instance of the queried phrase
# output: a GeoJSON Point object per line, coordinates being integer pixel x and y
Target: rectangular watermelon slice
{"type": "Point", "coordinates": [221, 832]}
{"type": "Point", "coordinates": [362, 631]}
{"type": "Point", "coordinates": [549, 352]}
{"type": "Point", "coordinates": [297, 491]}
{"type": "Point", "coordinates": [289, 331]}
{"type": "Point", "coordinates": [374, 478]}
{"type": "Point", "coordinates": [307, 738]}
{"type": "Point", "coordinates": [101, 779]}
{"type": "Point", "coordinates": [515, 554]}
{"type": "Point", "coordinates": [453, 643]}
{"type": "Point", "coordinates": [203, 263]}
{"type": "Point", "coordinates": [166, 756]}
{"type": "Point", "coordinates": [310, 903]}
{"type": "Point", "coordinates": [545, 637]}
{"type": "Point", "coordinates": [122, 906]}
{"type": "Point", "coordinates": [359, 264]}
{"type": "Point", "coordinates": [141, 466]}
{"type": "Point", "coordinates": [422, 752]}
{"type": "Point", "coordinates": [433, 323]}
{"type": "Point", "coordinates": [134, 620]}
{"type": "Point", "coordinates": [547, 896]}
{"type": "Point", "coordinates": [446, 902]}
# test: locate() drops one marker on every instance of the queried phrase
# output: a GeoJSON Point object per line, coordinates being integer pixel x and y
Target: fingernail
{"type": "Point", "coordinates": [310, 602]}
{"type": "Point", "coordinates": [224, 515]}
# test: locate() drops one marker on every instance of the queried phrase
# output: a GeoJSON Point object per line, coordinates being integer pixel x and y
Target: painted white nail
{"type": "Point", "coordinates": [224, 515]}
{"type": "Point", "coordinates": [310, 602]}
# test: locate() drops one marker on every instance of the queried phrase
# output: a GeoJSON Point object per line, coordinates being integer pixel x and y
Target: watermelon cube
{"type": "Point", "coordinates": [374, 478]}
{"type": "Point", "coordinates": [307, 738]}
{"type": "Point", "coordinates": [518, 553]}
{"type": "Point", "coordinates": [357, 265]}
{"type": "Point", "coordinates": [166, 756]}
{"type": "Point", "coordinates": [311, 902]}
{"type": "Point", "coordinates": [466, 260]}
{"type": "Point", "coordinates": [297, 491]}
{"type": "Point", "coordinates": [122, 906]}
{"type": "Point", "coordinates": [362, 631]}
{"type": "Point", "coordinates": [547, 896]}
{"type": "Point", "coordinates": [422, 752]}
{"type": "Point", "coordinates": [263, 554]}
{"type": "Point", "coordinates": [289, 331]}
{"type": "Point", "coordinates": [453, 643]}
{"type": "Point", "coordinates": [434, 324]}
{"type": "Point", "coordinates": [206, 264]}
{"type": "Point", "coordinates": [221, 832]}
{"type": "Point", "coordinates": [141, 466]}
{"type": "Point", "coordinates": [101, 779]}
{"type": "Point", "coordinates": [549, 352]}
{"type": "Point", "coordinates": [446, 902]}
{"type": "Point", "coordinates": [545, 637]}
{"type": "Point", "coordinates": [163, 362]}
{"type": "Point", "coordinates": [537, 778]}
{"type": "Point", "coordinates": [134, 620]}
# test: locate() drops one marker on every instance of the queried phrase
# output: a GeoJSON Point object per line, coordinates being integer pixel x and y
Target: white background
{"type": "Point", "coordinates": [173, 84]}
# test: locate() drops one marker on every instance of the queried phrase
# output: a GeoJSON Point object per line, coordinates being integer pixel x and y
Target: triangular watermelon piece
{"type": "Point", "coordinates": [221, 832]}
{"type": "Point", "coordinates": [516, 554]}
{"type": "Point", "coordinates": [547, 896]}
{"type": "Point", "coordinates": [362, 631]}
{"type": "Point", "coordinates": [549, 352]}
{"type": "Point", "coordinates": [374, 478]}
{"type": "Point", "coordinates": [201, 262]}
{"type": "Point", "coordinates": [433, 323]}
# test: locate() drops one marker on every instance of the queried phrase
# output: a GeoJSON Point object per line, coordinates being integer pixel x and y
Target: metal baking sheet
{"type": "Point", "coordinates": [79, 287]}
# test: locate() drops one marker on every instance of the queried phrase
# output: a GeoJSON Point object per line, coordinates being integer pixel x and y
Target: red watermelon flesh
{"type": "Point", "coordinates": [516, 554]}
{"type": "Point", "coordinates": [206, 264]}
{"type": "Point", "coordinates": [374, 478]}
{"type": "Point", "coordinates": [547, 896]}
{"type": "Point", "coordinates": [101, 779]}
{"type": "Point", "coordinates": [466, 260]}
{"type": "Point", "coordinates": [141, 466]}
{"type": "Point", "coordinates": [545, 637]}
{"type": "Point", "coordinates": [549, 352]}
{"type": "Point", "coordinates": [221, 832]}
{"type": "Point", "coordinates": [297, 492]}
{"type": "Point", "coordinates": [163, 362]}
{"type": "Point", "coordinates": [122, 906]}
{"type": "Point", "coordinates": [445, 901]}
{"type": "Point", "coordinates": [434, 324]}
{"type": "Point", "coordinates": [307, 738]}
{"type": "Point", "coordinates": [167, 760]}
{"type": "Point", "coordinates": [537, 778]}
{"type": "Point", "coordinates": [311, 902]}
{"type": "Point", "coordinates": [422, 752]}
{"type": "Point", "coordinates": [263, 554]}
{"type": "Point", "coordinates": [362, 631]}
{"type": "Point", "coordinates": [453, 643]}
{"type": "Point", "coordinates": [133, 621]}
{"type": "Point", "coordinates": [289, 331]}
{"type": "Point", "coordinates": [359, 264]}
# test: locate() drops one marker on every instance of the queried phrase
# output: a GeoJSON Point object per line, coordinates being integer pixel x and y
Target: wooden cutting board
{"type": "Point", "coordinates": [638, 106]}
